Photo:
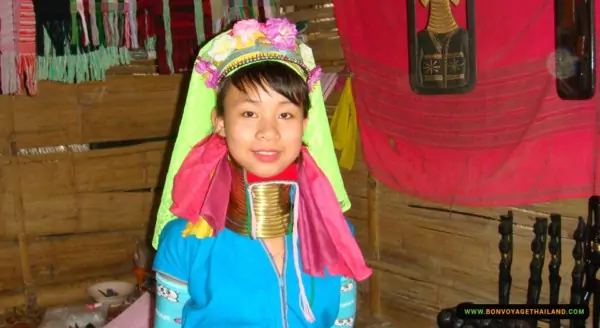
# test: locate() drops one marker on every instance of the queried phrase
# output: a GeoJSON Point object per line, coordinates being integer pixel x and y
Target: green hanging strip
{"type": "Point", "coordinates": [74, 23]}
{"type": "Point", "coordinates": [100, 23]}
{"type": "Point", "coordinates": [274, 8]}
{"type": "Point", "coordinates": [168, 36]}
{"type": "Point", "coordinates": [250, 9]}
{"type": "Point", "coordinates": [134, 29]}
{"type": "Point", "coordinates": [199, 20]}
{"type": "Point", "coordinates": [113, 22]}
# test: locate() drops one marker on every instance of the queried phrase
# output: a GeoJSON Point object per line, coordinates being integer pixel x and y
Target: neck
{"type": "Point", "coordinates": [441, 19]}
{"type": "Point", "coordinates": [271, 205]}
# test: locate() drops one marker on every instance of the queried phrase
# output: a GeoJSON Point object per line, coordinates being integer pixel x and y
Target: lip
{"type": "Point", "coordinates": [266, 156]}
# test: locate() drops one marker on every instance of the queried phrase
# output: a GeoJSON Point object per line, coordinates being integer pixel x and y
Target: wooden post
{"type": "Point", "coordinates": [374, 282]}
{"type": "Point", "coordinates": [19, 211]}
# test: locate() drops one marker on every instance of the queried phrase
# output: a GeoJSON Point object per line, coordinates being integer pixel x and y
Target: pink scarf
{"type": "Point", "coordinates": [325, 238]}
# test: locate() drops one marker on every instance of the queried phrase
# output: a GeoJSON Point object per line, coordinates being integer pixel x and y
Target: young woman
{"type": "Point", "coordinates": [251, 231]}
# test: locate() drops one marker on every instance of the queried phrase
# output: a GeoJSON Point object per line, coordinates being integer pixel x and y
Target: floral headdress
{"type": "Point", "coordinates": [251, 41]}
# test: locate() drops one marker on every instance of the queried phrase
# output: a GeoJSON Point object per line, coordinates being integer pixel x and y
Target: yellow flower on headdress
{"type": "Point", "coordinates": [222, 47]}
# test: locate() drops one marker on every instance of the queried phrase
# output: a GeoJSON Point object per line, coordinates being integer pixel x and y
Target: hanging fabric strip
{"type": "Point", "coordinates": [245, 9]}
{"type": "Point", "coordinates": [268, 7]}
{"type": "Point", "coordinates": [106, 23]}
{"type": "Point", "coordinates": [100, 23]}
{"type": "Point", "coordinates": [74, 23]}
{"type": "Point", "coordinates": [344, 127]}
{"type": "Point", "coordinates": [168, 37]}
{"type": "Point", "coordinates": [250, 9]}
{"type": "Point", "coordinates": [113, 14]}
{"type": "Point", "coordinates": [208, 25]}
{"type": "Point", "coordinates": [328, 82]}
{"type": "Point", "coordinates": [26, 65]}
{"type": "Point", "coordinates": [199, 20]}
{"type": "Point", "coordinates": [232, 12]}
{"type": "Point", "coordinates": [133, 24]}
{"type": "Point", "coordinates": [8, 54]}
{"type": "Point", "coordinates": [216, 7]}
{"type": "Point", "coordinates": [183, 31]}
{"type": "Point", "coordinates": [94, 23]}
{"type": "Point", "coordinates": [125, 9]}
{"type": "Point", "coordinates": [261, 9]}
{"type": "Point", "coordinates": [81, 11]}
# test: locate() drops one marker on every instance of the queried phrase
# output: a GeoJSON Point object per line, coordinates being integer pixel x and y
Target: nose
{"type": "Point", "coordinates": [267, 130]}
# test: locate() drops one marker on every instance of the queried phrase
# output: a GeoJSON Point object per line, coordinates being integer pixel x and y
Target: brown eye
{"type": "Point", "coordinates": [285, 116]}
{"type": "Point", "coordinates": [249, 114]}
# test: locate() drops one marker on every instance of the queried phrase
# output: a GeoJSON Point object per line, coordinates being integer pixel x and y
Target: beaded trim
{"type": "Point", "coordinates": [259, 57]}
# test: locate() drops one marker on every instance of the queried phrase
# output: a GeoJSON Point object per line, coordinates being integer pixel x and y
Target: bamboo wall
{"type": "Point", "coordinates": [71, 218]}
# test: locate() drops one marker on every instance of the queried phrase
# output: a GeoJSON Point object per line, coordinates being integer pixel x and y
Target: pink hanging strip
{"type": "Point", "coordinates": [81, 11]}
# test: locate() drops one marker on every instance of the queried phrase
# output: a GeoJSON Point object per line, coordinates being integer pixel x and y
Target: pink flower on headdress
{"type": "Point", "coordinates": [314, 77]}
{"type": "Point", "coordinates": [282, 33]}
{"type": "Point", "coordinates": [246, 29]}
{"type": "Point", "coordinates": [209, 71]}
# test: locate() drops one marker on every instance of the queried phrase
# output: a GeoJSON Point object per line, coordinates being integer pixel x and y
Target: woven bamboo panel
{"type": "Point", "coordinates": [433, 256]}
{"type": "Point", "coordinates": [321, 32]}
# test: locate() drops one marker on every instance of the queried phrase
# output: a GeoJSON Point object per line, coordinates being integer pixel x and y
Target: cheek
{"type": "Point", "coordinates": [239, 130]}
{"type": "Point", "coordinates": [292, 134]}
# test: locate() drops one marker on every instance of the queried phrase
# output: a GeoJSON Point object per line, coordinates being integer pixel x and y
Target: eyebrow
{"type": "Point", "coordinates": [247, 100]}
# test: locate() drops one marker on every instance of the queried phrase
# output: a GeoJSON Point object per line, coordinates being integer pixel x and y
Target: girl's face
{"type": "Point", "coordinates": [263, 130]}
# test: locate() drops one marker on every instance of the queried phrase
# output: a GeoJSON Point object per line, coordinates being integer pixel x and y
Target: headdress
{"type": "Point", "coordinates": [200, 155]}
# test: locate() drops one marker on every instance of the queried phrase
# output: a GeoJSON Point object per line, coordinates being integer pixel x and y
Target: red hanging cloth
{"type": "Point", "coordinates": [510, 141]}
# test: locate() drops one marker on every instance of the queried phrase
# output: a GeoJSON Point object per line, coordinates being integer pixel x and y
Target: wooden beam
{"type": "Point", "coordinates": [304, 3]}
{"type": "Point", "coordinates": [374, 246]}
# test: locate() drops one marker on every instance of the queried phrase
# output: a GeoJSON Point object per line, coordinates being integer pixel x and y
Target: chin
{"type": "Point", "coordinates": [262, 171]}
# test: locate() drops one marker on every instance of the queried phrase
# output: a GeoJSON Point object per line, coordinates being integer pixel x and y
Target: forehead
{"type": "Point", "coordinates": [254, 95]}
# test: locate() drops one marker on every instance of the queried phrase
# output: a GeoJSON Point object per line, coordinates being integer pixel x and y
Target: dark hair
{"type": "Point", "coordinates": [280, 77]}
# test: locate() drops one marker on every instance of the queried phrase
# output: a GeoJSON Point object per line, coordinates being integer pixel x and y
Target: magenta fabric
{"type": "Point", "coordinates": [326, 241]}
{"type": "Point", "coordinates": [510, 141]}
{"type": "Point", "coordinates": [195, 192]}
{"type": "Point", "coordinates": [140, 314]}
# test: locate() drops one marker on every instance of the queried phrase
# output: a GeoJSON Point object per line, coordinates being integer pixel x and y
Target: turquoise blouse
{"type": "Point", "coordinates": [232, 282]}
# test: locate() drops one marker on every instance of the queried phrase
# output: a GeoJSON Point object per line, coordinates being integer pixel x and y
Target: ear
{"type": "Point", "coordinates": [305, 123]}
{"type": "Point", "coordinates": [425, 3]}
{"type": "Point", "coordinates": [218, 123]}
{"type": "Point", "coordinates": [455, 2]}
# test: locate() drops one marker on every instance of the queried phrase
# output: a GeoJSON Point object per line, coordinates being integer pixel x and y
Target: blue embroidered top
{"type": "Point", "coordinates": [232, 281]}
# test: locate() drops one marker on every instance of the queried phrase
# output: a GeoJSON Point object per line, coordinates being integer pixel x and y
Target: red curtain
{"type": "Point", "coordinates": [510, 141]}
